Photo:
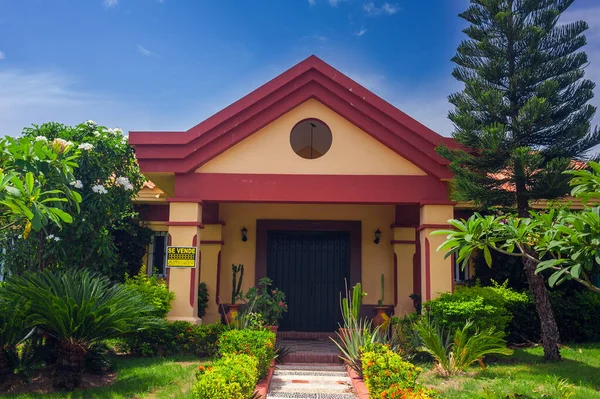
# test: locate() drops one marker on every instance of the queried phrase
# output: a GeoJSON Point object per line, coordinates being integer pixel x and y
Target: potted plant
{"type": "Point", "coordinates": [236, 293]}
{"type": "Point", "coordinates": [381, 318]}
{"type": "Point", "coordinates": [268, 302]}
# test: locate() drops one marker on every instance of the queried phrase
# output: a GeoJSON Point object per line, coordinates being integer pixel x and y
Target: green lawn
{"type": "Point", "coordinates": [140, 378]}
{"type": "Point", "coordinates": [525, 375]}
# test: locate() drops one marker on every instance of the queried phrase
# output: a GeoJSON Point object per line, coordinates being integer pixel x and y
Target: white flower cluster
{"type": "Point", "coordinates": [96, 133]}
{"type": "Point", "coordinates": [90, 123]}
{"type": "Point", "coordinates": [99, 188]}
{"type": "Point", "coordinates": [41, 138]}
{"type": "Point", "coordinates": [77, 184]}
{"type": "Point", "coordinates": [86, 146]}
{"type": "Point", "coordinates": [52, 237]}
{"type": "Point", "coordinates": [124, 182]}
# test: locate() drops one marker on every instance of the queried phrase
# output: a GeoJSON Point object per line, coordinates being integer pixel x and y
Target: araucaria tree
{"type": "Point", "coordinates": [523, 117]}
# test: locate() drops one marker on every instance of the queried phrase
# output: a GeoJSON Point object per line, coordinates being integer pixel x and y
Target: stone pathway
{"type": "Point", "coordinates": [310, 381]}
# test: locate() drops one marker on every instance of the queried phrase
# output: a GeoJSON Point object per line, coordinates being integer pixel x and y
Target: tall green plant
{"type": "Point", "coordinates": [454, 351]}
{"type": "Point", "coordinates": [351, 304]}
{"type": "Point", "coordinates": [13, 329]}
{"type": "Point", "coordinates": [523, 116]}
{"type": "Point", "coordinates": [79, 309]}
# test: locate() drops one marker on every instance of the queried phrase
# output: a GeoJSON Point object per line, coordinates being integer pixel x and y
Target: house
{"type": "Point", "coordinates": [310, 180]}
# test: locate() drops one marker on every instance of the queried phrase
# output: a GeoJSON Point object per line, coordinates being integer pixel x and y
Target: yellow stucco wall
{"type": "Point", "coordinates": [376, 259]}
{"type": "Point", "coordinates": [352, 152]}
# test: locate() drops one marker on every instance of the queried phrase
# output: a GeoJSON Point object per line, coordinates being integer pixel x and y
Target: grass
{"type": "Point", "coordinates": [139, 378]}
{"type": "Point", "coordinates": [525, 375]}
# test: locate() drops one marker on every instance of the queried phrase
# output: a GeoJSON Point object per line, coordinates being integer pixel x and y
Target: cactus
{"type": "Point", "coordinates": [351, 304]}
{"type": "Point", "coordinates": [380, 302]}
{"type": "Point", "coordinates": [236, 289]}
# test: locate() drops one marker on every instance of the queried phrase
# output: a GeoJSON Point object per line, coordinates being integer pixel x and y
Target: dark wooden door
{"type": "Point", "coordinates": [310, 268]}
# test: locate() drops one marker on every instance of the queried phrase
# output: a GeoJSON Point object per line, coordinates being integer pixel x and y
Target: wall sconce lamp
{"type": "Point", "coordinates": [244, 234]}
{"type": "Point", "coordinates": [377, 236]}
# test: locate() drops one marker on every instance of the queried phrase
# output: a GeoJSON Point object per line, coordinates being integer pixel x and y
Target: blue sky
{"type": "Point", "coordinates": [168, 64]}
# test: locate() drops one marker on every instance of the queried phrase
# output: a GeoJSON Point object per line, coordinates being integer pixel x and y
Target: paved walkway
{"type": "Point", "coordinates": [310, 381]}
{"type": "Point", "coordinates": [316, 351]}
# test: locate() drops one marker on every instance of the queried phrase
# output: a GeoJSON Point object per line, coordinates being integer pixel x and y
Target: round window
{"type": "Point", "coordinates": [311, 139]}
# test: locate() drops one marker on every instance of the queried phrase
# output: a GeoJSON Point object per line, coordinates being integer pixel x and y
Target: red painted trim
{"type": "Point", "coordinates": [441, 202]}
{"type": "Point", "coordinates": [262, 387]}
{"type": "Point", "coordinates": [403, 242]}
{"type": "Point", "coordinates": [353, 189]}
{"type": "Point", "coordinates": [195, 240]}
{"type": "Point", "coordinates": [434, 226]}
{"type": "Point", "coordinates": [204, 242]}
{"type": "Point", "coordinates": [362, 392]}
{"type": "Point", "coordinates": [169, 242]}
{"type": "Point", "coordinates": [417, 266]}
{"type": "Point", "coordinates": [197, 224]}
{"type": "Point", "coordinates": [395, 279]}
{"type": "Point", "coordinates": [312, 78]}
{"type": "Point", "coordinates": [427, 270]}
{"type": "Point", "coordinates": [192, 286]}
{"type": "Point", "coordinates": [218, 290]}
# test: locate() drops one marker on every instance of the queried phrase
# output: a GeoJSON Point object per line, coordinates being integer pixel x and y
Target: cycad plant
{"type": "Point", "coordinates": [453, 353]}
{"type": "Point", "coordinates": [13, 330]}
{"type": "Point", "coordinates": [78, 309]}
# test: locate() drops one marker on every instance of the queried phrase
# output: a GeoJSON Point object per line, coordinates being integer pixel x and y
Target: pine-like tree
{"type": "Point", "coordinates": [523, 116]}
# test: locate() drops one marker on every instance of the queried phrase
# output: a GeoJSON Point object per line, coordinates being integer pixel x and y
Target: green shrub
{"type": "Point", "coordinates": [403, 337]}
{"type": "Point", "coordinates": [388, 376]}
{"type": "Point", "coordinates": [257, 343]}
{"type": "Point", "coordinates": [455, 350]}
{"type": "Point", "coordinates": [176, 338]}
{"type": "Point", "coordinates": [231, 377]}
{"type": "Point", "coordinates": [79, 309]}
{"type": "Point", "coordinates": [485, 306]}
{"type": "Point", "coordinates": [202, 299]}
{"type": "Point", "coordinates": [153, 290]}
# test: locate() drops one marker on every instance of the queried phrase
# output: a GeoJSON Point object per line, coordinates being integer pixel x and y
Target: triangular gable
{"type": "Point", "coordinates": [353, 152]}
{"type": "Point", "coordinates": [182, 152]}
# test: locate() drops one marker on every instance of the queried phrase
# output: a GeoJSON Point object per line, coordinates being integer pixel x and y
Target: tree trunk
{"type": "Point", "coordinates": [70, 362]}
{"type": "Point", "coordinates": [548, 327]}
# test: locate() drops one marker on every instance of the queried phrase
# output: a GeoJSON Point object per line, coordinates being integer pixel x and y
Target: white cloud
{"type": "Point", "coordinates": [28, 98]}
{"type": "Point", "coordinates": [334, 3]}
{"type": "Point", "coordinates": [144, 51]}
{"type": "Point", "coordinates": [311, 2]}
{"type": "Point", "coordinates": [318, 38]}
{"type": "Point", "coordinates": [2, 55]}
{"type": "Point", "coordinates": [361, 32]}
{"type": "Point", "coordinates": [386, 8]}
{"type": "Point", "coordinates": [110, 3]}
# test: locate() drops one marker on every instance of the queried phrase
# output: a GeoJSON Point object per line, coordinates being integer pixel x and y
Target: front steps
{"type": "Point", "coordinates": [322, 351]}
{"type": "Point", "coordinates": [310, 381]}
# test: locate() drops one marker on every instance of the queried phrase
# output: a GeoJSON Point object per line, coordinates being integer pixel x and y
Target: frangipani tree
{"type": "Point", "coordinates": [564, 241]}
{"type": "Point", "coordinates": [34, 183]}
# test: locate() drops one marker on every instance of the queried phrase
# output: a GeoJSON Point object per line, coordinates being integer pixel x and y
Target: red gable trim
{"type": "Point", "coordinates": [312, 78]}
{"type": "Point", "coordinates": [348, 189]}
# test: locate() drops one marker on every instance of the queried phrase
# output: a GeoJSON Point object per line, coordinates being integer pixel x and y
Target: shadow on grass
{"type": "Point", "coordinates": [135, 377]}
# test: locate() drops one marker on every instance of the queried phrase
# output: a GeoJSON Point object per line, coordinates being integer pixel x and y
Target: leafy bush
{"type": "Point", "coordinates": [403, 336]}
{"type": "Point", "coordinates": [13, 328]}
{"type": "Point", "coordinates": [456, 350]}
{"type": "Point", "coordinates": [577, 313]}
{"type": "Point", "coordinates": [154, 291]}
{"type": "Point", "coordinates": [231, 377]}
{"type": "Point", "coordinates": [79, 309]}
{"type": "Point", "coordinates": [257, 343]}
{"type": "Point", "coordinates": [176, 338]}
{"type": "Point", "coordinates": [202, 299]}
{"type": "Point", "coordinates": [387, 375]}
{"type": "Point", "coordinates": [268, 302]}
{"type": "Point", "coordinates": [485, 306]}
